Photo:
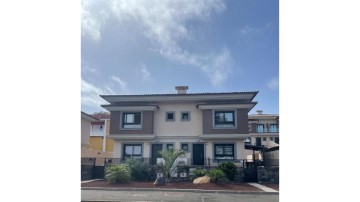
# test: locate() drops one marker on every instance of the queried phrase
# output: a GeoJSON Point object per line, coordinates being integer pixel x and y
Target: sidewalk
{"type": "Point", "coordinates": [264, 189]}
{"type": "Point", "coordinates": [174, 195]}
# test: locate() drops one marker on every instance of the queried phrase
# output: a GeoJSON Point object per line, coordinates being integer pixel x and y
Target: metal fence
{"type": "Point", "coordinates": [88, 161]}
{"type": "Point", "coordinates": [202, 162]}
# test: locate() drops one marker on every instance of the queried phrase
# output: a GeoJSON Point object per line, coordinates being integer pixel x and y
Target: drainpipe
{"type": "Point", "coordinates": [104, 141]}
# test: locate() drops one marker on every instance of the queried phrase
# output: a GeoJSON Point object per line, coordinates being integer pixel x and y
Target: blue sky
{"type": "Point", "coordinates": [151, 46]}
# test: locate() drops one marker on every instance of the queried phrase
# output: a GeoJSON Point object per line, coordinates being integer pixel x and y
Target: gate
{"type": "Point", "coordinates": [99, 172]}
{"type": "Point", "coordinates": [250, 172]}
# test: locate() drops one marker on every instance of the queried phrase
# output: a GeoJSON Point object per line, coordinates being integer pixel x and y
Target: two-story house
{"type": "Point", "coordinates": [264, 129]}
{"type": "Point", "coordinates": [207, 126]}
{"type": "Point", "coordinates": [94, 141]}
{"type": "Point", "coordinates": [264, 133]}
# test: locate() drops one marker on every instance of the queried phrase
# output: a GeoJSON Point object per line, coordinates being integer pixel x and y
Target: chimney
{"type": "Point", "coordinates": [259, 111]}
{"type": "Point", "coordinates": [181, 89]}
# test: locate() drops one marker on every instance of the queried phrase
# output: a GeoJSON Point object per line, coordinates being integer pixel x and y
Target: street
{"type": "Point", "coordinates": [102, 195]}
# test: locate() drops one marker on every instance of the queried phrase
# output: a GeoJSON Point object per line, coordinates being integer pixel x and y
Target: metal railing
{"type": "Point", "coordinates": [267, 130]}
{"type": "Point", "coordinates": [88, 161]}
{"type": "Point", "coordinates": [202, 162]}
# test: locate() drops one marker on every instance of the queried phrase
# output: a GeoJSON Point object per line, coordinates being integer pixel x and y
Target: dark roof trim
{"type": "Point", "coordinates": [187, 94]}
{"type": "Point", "coordinates": [256, 92]}
{"type": "Point", "coordinates": [130, 105]}
{"type": "Point", "coordinates": [89, 116]}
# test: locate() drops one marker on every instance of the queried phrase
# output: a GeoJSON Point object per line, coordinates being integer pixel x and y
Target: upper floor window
{"type": "Point", "coordinates": [273, 128]}
{"type": "Point", "coordinates": [224, 118]}
{"type": "Point", "coordinates": [170, 116]}
{"type": "Point", "coordinates": [185, 116]}
{"type": "Point", "coordinates": [260, 128]}
{"type": "Point", "coordinates": [97, 128]}
{"type": "Point", "coordinates": [131, 120]}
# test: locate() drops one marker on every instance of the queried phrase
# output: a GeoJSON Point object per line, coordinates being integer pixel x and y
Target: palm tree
{"type": "Point", "coordinates": [168, 166]}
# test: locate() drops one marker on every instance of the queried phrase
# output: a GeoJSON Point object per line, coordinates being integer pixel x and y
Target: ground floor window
{"type": "Point", "coordinates": [132, 150]}
{"type": "Point", "coordinates": [185, 146]}
{"type": "Point", "coordinates": [224, 151]}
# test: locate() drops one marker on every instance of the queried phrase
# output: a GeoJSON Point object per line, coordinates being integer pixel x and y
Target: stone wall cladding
{"type": "Point", "coordinates": [86, 172]}
{"type": "Point", "coordinates": [268, 174]}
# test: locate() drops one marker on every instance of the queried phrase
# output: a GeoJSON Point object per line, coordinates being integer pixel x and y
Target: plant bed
{"type": "Point", "coordinates": [175, 185]}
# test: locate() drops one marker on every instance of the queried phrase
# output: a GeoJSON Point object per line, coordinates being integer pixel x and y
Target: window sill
{"type": "Point", "coordinates": [224, 127]}
{"type": "Point", "coordinates": [131, 128]}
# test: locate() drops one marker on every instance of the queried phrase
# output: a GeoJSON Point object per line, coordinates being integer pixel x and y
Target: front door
{"type": "Point", "coordinates": [155, 148]}
{"type": "Point", "coordinates": [198, 154]}
{"type": "Point", "coordinates": [258, 141]}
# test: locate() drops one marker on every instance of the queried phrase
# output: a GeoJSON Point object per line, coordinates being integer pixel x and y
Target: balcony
{"type": "Point", "coordinates": [97, 132]}
{"type": "Point", "coordinates": [267, 130]}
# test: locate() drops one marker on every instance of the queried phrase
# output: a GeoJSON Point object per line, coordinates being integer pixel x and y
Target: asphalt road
{"type": "Point", "coordinates": [101, 195]}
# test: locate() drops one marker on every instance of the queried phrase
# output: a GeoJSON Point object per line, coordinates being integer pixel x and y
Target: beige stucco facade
{"type": "Point", "coordinates": [85, 131]}
{"type": "Point", "coordinates": [192, 128]}
{"type": "Point", "coordinates": [141, 120]}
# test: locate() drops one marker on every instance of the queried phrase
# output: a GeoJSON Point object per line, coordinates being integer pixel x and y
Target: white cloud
{"type": "Point", "coordinates": [164, 23]}
{"type": "Point", "coordinates": [110, 90]}
{"type": "Point", "coordinates": [273, 84]}
{"type": "Point", "coordinates": [144, 72]}
{"type": "Point", "coordinates": [251, 30]}
{"type": "Point", "coordinates": [123, 84]}
{"type": "Point", "coordinates": [218, 68]}
{"type": "Point", "coordinates": [88, 69]}
{"type": "Point", "coordinates": [90, 94]}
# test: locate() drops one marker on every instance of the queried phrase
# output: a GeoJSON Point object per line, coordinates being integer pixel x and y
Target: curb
{"type": "Point", "coordinates": [90, 180]}
{"type": "Point", "coordinates": [179, 190]}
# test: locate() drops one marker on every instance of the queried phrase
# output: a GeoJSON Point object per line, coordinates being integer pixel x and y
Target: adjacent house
{"type": "Point", "coordinates": [86, 120]}
{"type": "Point", "coordinates": [210, 127]}
{"type": "Point", "coordinates": [264, 133]}
{"type": "Point", "coordinates": [94, 143]}
{"type": "Point", "coordinates": [264, 129]}
{"type": "Point", "coordinates": [99, 133]}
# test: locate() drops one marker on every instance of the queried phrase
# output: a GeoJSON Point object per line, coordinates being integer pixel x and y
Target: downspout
{"type": "Point", "coordinates": [104, 142]}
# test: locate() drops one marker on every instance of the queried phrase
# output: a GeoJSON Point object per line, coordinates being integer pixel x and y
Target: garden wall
{"type": "Point", "coordinates": [268, 174]}
{"type": "Point", "coordinates": [86, 172]}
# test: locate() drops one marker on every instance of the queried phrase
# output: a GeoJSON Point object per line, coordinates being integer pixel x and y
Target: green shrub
{"type": "Point", "coordinates": [140, 171]}
{"type": "Point", "coordinates": [117, 174]}
{"type": "Point", "coordinates": [198, 173]}
{"type": "Point", "coordinates": [217, 175]}
{"type": "Point", "coordinates": [229, 170]}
